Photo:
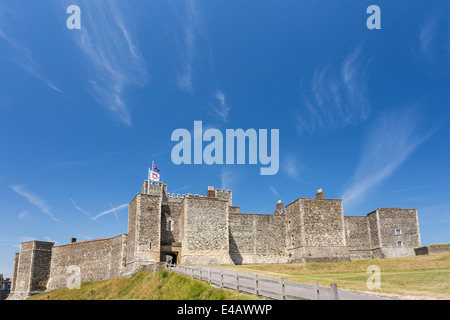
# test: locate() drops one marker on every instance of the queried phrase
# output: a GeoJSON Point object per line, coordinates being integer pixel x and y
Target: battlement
{"type": "Point", "coordinates": [220, 194]}
{"type": "Point", "coordinates": [209, 230]}
{"type": "Point", "coordinates": [153, 188]}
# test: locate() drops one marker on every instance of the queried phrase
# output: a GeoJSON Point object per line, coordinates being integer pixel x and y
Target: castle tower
{"type": "Point", "coordinates": [316, 230]}
{"type": "Point", "coordinates": [144, 227]}
{"type": "Point", "coordinates": [206, 228]}
{"type": "Point", "coordinates": [31, 269]}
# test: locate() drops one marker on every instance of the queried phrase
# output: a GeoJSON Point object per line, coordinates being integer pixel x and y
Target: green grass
{"type": "Point", "coordinates": [419, 277]}
{"type": "Point", "coordinates": [165, 285]}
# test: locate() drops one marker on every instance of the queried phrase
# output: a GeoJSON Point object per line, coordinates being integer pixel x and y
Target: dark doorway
{"type": "Point", "coordinates": [169, 257]}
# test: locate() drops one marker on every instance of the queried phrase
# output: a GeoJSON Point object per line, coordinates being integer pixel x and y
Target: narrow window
{"type": "Point", "coordinates": [150, 245]}
{"type": "Point", "coordinates": [399, 244]}
{"type": "Point", "coordinates": [292, 240]}
{"type": "Point", "coordinates": [290, 225]}
{"type": "Point", "coordinates": [398, 232]}
{"type": "Point", "coordinates": [169, 225]}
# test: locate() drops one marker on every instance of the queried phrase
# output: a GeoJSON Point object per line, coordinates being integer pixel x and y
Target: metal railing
{"type": "Point", "coordinates": [255, 284]}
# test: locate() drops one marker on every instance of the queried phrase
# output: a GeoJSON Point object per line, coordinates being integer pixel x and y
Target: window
{"type": "Point", "coordinates": [169, 225]}
{"type": "Point", "coordinates": [290, 225]}
{"type": "Point", "coordinates": [150, 245]}
{"type": "Point", "coordinates": [292, 240]}
{"type": "Point", "coordinates": [399, 244]}
{"type": "Point", "coordinates": [398, 232]}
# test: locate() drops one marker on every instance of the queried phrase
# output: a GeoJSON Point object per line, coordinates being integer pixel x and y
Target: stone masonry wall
{"type": "Point", "coordinates": [148, 229]}
{"type": "Point", "coordinates": [173, 212]}
{"type": "Point", "coordinates": [357, 235]}
{"type": "Point", "coordinates": [374, 235]}
{"type": "Point", "coordinates": [294, 237]}
{"type": "Point", "coordinates": [257, 238]}
{"type": "Point", "coordinates": [405, 220]}
{"type": "Point", "coordinates": [432, 249]}
{"type": "Point", "coordinates": [323, 228]}
{"type": "Point", "coordinates": [206, 238]}
{"type": "Point", "coordinates": [33, 269]}
{"type": "Point", "coordinates": [14, 275]}
{"type": "Point", "coordinates": [99, 259]}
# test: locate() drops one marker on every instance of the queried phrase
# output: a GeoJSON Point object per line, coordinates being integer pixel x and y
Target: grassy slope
{"type": "Point", "coordinates": [164, 285]}
{"type": "Point", "coordinates": [412, 277]}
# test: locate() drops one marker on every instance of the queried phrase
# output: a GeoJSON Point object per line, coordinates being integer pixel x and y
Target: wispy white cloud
{"type": "Point", "coordinates": [291, 167]}
{"type": "Point", "coordinates": [434, 42]}
{"type": "Point", "coordinates": [80, 209]}
{"type": "Point", "coordinates": [25, 60]}
{"type": "Point", "coordinates": [336, 98]}
{"type": "Point", "coordinates": [427, 35]}
{"type": "Point", "coordinates": [222, 109]}
{"type": "Point", "coordinates": [388, 144]}
{"type": "Point", "coordinates": [274, 191]}
{"type": "Point", "coordinates": [34, 200]}
{"type": "Point", "coordinates": [228, 177]}
{"type": "Point", "coordinates": [23, 215]}
{"type": "Point", "coordinates": [109, 47]}
{"type": "Point", "coordinates": [112, 210]}
{"type": "Point", "coordinates": [190, 27]}
{"type": "Point", "coordinates": [182, 188]}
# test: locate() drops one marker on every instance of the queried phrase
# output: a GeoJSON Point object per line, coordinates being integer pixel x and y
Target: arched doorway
{"type": "Point", "coordinates": [169, 257]}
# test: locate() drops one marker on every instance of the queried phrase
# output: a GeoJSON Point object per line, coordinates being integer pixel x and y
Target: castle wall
{"type": "Point", "coordinates": [224, 195]}
{"type": "Point", "coordinates": [131, 238]}
{"type": "Point", "coordinates": [14, 274]}
{"type": "Point", "coordinates": [405, 220]}
{"type": "Point", "coordinates": [172, 211]}
{"type": "Point", "coordinates": [357, 236]}
{"type": "Point", "coordinates": [374, 235]}
{"type": "Point", "coordinates": [322, 231]}
{"type": "Point", "coordinates": [294, 237]}
{"type": "Point", "coordinates": [98, 259]}
{"type": "Point", "coordinates": [144, 228]}
{"type": "Point", "coordinates": [205, 239]}
{"type": "Point", "coordinates": [432, 249]}
{"type": "Point", "coordinates": [257, 238]}
{"type": "Point", "coordinates": [33, 269]}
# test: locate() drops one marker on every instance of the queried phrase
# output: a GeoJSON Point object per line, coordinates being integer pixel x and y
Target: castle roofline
{"type": "Point", "coordinates": [93, 240]}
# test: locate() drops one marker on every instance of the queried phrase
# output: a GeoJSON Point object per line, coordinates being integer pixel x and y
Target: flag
{"type": "Point", "coordinates": [155, 167]}
{"type": "Point", "coordinates": [153, 176]}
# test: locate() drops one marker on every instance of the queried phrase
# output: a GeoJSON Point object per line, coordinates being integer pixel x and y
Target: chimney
{"type": "Point", "coordinates": [320, 194]}
{"type": "Point", "coordinates": [1, 276]}
{"type": "Point", "coordinates": [73, 240]}
{"type": "Point", "coordinates": [210, 193]}
{"type": "Point", "coordinates": [279, 208]}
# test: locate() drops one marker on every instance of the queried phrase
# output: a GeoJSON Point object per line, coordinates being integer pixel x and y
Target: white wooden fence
{"type": "Point", "coordinates": [258, 285]}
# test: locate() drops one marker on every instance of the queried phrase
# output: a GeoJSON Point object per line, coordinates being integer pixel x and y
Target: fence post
{"type": "Point", "coordinates": [256, 285]}
{"type": "Point", "coordinates": [209, 275]}
{"type": "Point", "coordinates": [237, 281]}
{"type": "Point", "coordinates": [334, 292]}
{"type": "Point", "coordinates": [316, 289]}
{"type": "Point", "coordinates": [283, 288]}
{"type": "Point", "coordinates": [221, 278]}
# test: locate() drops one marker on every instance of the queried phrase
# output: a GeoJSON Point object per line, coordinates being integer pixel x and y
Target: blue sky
{"type": "Point", "coordinates": [361, 113]}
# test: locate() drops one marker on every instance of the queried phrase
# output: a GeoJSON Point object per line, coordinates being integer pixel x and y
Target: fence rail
{"type": "Point", "coordinates": [261, 286]}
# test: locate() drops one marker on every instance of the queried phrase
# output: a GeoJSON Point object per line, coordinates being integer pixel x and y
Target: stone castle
{"type": "Point", "coordinates": [209, 230]}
